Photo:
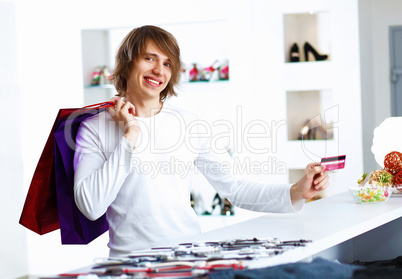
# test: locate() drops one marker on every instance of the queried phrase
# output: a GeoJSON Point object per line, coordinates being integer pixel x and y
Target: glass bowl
{"type": "Point", "coordinates": [371, 194]}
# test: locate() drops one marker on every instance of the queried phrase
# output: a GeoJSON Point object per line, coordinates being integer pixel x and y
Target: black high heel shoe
{"type": "Point", "coordinates": [294, 53]}
{"type": "Point", "coordinates": [318, 57]}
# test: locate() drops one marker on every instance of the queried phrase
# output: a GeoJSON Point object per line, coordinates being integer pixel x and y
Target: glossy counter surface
{"type": "Point", "coordinates": [332, 223]}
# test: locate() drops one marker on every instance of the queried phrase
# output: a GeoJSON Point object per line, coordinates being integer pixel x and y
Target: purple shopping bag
{"type": "Point", "coordinates": [75, 228]}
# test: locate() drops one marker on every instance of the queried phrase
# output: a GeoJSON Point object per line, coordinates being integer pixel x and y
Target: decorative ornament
{"type": "Point", "coordinates": [96, 76]}
{"type": "Point", "coordinates": [194, 73]}
{"type": "Point", "coordinates": [393, 162]}
{"type": "Point", "coordinates": [381, 178]}
{"type": "Point", "coordinates": [398, 178]}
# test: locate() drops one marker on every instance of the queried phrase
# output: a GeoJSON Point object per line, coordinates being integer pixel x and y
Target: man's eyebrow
{"type": "Point", "coordinates": [150, 54]}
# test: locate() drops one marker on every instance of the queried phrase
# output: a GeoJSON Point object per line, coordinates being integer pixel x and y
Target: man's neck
{"type": "Point", "coordinates": [146, 108]}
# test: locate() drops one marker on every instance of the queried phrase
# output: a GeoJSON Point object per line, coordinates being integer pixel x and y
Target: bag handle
{"type": "Point", "coordinates": [99, 105]}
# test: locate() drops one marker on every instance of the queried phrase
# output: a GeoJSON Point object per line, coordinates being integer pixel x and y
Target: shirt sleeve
{"type": "Point", "coordinates": [242, 190]}
{"type": "Point", "coordinates": [98, 176]}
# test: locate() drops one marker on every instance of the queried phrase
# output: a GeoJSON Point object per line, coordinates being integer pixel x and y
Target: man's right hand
{"type": "Point", "coordinates": [123, 113]}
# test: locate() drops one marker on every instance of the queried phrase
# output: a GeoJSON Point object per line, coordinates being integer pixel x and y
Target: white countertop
{"type": "Point", "coordinates": [327, 222]}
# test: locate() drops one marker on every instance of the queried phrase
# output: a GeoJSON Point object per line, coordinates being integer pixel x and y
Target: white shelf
{"type": "Point", "coordinates": [204, 87]}
{"type": "Point", "coordinates": [295, 175]}
{"type": "Point", "coordinates": [310, 87]}
{"type": "Point", "coordinates": [311, 108]}
{"type": "Point", "coordinates": [99, 47]}
{"type": "Point", "coordinates": [102, 86]}
{"type": "Point", "coordinates": [307, 27]}
{"type": "Point", "coordinates": [308, 75]}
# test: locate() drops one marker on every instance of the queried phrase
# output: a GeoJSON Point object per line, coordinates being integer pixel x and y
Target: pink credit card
{"type": "Point", "coordinates": [334, 163]}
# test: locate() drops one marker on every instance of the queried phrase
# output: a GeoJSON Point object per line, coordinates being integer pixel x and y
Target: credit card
{"type": "Point", "coordinates": [333, 163]}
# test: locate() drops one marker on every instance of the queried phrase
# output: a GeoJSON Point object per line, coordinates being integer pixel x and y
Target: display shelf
{"type": "Point", "coordinates": [101, 86]}
{"type": "Point", "coordinates": [206, 81]}
{"type": "Point", "coordinates": [308, 115]}
{"type": "Point", "coordinates": [311, 27]}
{"type": "Point", "coordinates": [308, 75]}
{"type": "Point", "coordinates": [200, 86]}
{"type": "Point", "coordinates": [100, 45]}
{"type": "Point", "coordinates": [294, 175]}
{"type": "Point", "coordinates": [202, 43]}
{"type": "Point", "coordinates": [96, 52]}
{"type": "Point", "coordinates": [312, 90]}
{"type": "Point", "coordinates": [95, 46]}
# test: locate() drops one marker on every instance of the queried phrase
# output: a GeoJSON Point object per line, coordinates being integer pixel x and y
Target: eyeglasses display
{"type": "Point", "coordinates": [192, 260]}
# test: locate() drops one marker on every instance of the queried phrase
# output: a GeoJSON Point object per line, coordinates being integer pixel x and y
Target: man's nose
{"type": "Point", "coordinates": [158, 68]}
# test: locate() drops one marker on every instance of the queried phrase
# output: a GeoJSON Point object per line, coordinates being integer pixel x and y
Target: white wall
{"type": "Point", "coordinates": [48, 44]}
{"type": "Point", "coordinates": [13, 258]}
{"type": "Point", "coordinates": [376, 16]}
{"type": "Point", "coordinates": [367, 81]}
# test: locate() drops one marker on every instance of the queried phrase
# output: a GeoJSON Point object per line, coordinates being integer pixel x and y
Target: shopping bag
{"type": "Point", "coordinates": [39, 213]}
{"type": "Point", "coordinates": [75, 228]}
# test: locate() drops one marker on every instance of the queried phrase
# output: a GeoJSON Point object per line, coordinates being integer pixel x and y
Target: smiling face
{"type": "Point", "coordinates": [150, 74]}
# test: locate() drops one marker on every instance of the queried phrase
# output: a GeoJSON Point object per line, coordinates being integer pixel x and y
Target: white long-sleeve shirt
{"type": "Point", "coordinates": [145, 191]}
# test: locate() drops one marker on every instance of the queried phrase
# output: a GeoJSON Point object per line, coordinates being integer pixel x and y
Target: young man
{"type": "Point", "coordinates": [135, 162]}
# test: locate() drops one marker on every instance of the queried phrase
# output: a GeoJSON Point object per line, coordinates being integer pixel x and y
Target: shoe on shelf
{"type": "Point", "coordinates": [318, 57]}
{"type": "Point", "coordinates": [294, 53]}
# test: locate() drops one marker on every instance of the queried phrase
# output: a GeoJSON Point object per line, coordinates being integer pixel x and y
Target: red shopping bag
{"type": "Point", "coordinates": [40, 213]}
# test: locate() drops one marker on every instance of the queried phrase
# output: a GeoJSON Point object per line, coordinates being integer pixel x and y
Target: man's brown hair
{"type": "Point", "coordinates": [134, 45]}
